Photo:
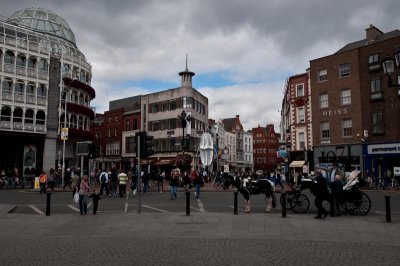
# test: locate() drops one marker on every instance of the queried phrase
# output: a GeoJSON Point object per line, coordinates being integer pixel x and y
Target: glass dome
{"type": "Point", "coordinates": [44, 21]}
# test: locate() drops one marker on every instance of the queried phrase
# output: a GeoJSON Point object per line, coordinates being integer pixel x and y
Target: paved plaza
{"type": "Point", "coordinates": [199, 239]}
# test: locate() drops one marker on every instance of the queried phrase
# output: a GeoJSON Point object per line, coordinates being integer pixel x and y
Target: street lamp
{"type": "Point", "coordinates": [183, 120]}
{"type": "Point", "coordinates": [65, 125]}
{"type": "Point", "coordinates": [388, 68]}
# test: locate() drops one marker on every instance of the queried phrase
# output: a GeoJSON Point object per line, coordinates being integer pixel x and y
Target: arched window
{"type": "Point", "coordinates": [42, 91]}
{"type": "Point", "coordinates": [21, 60]}
{"type": "Point", "coordinates": [83, 76]}
{"type": "Point", "coordinates": [81, 99]}
{"type": "Point", "coordinates": [9, 58]}
{"type": "Point", "coordinates": [66, 70]}
{"type": "Point", "coordinates": [17, 115]}
{"type": "Point", "coordinates": [6, 113]}
{"type": "Point", "coordinates": [30, 89]}
{"type": "Point", "coordinates": [40, 117]}
{"type": "Point", "coordinates": [7, 85]}
{"type": "Point", "coordinates": [29, 116]}
{"type": "Point", "coordinates": [20, 87]}
{"type": "Point", "coordinates": [62, 119]}
{"type": "Point", "coordinates": [74, 122]}
{"type": "Point", "coordinates": [32, 62]}
{"type": "Point", "coordinates": [75, 73]}
{"type": "Point", "coordinates": [74, 97]}
{"type": "Point", "coordinates": [43, 65]}
{"type": "Point", "coordinates": [80, 125]}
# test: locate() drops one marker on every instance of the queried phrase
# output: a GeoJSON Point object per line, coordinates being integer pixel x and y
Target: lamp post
{"type": "Point", "coordinates": [182, 119]}
{"type": "Point", "coordinates": [65, 125]}
{"type": "Point", "coordinates": [388, 67]}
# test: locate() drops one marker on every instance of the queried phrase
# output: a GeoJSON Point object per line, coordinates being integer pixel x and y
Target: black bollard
{"type": "Point", "coordinates": [187, 193]}
{"type": "Point", "coordinates": [235, 203]}
{"type": "Point", "coordinates": [283, 204]}
{"type": "Point", "coordinates": [388, 213]}
{"type": "Point", "coordinates": [48, 204]}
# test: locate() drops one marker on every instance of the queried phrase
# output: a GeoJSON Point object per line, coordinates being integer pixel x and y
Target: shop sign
{"type": "Point", "coordinates": [390, 148]}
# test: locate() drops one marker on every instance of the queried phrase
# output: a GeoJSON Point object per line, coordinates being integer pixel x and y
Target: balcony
{"type": "Point", "coordinates": [30, 98]}
{"type": "Point", "coordinates": [21, 71]}
{"type": "Point", "coordinates": [5, 124]}
{"type": "Point", "coordinates": [32, 73]}
{"type": "Point", "coordinates": [29, 127]}
{"type": "Point", "coordinates": [18, 126]}
{"type": "Point", "coordinates": [41, 100]}
{"type": "Point", "coordinates": [9, 68]}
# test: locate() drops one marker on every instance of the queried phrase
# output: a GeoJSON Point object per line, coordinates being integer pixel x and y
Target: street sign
{"type": "Point", "coordinates": [64, 133]}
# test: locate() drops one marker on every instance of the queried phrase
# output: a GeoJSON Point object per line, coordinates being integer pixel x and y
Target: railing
{"type": "Point", "coordinates": [7, 96]}
{"type": "Point", "coordinates": [32, 72]}
{"type": "Point", "coordinates": [5, 124]}
{"type": "Point", "coordinates": [33, 46]}
{"type": "Point", "coordinates": [41, 100]}
{"type": "Point", "coordinates": [29, 127]}
{"type": "Point", "coordinates": [40, 128]}
{"type": "Point", "coordinates": [8, 68]}
{"type": "Point", "coordinates": [21, 70]}
{"type": "Point", "coordinates": [19, 97]}
{"type": "Point", "coordinates": [10, 41]}
{"type": "Point", "coordinates": [30, 98]}
{"type": "Point", "coordinates": [43, 74]}
{"type": "Point", "coordinates": [18, 126]}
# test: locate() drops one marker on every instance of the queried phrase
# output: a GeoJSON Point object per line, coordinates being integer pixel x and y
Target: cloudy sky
{"type": "Point", "coordinates": [242, 51]}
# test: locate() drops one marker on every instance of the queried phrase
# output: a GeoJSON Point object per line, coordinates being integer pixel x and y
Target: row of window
{"type": "Point", "coordinates": [19, 116]}
{"type": "Point", "coordinates": [347, 126]}
{"type": "Point", "coordinates": [263, 140]}
{"type": "Point", "coordinates": [265, 150]}
{"type": "Point", "coordinates": [20, 87]}
{"type": "Point", "coordinates": [173, 124]}
{"type": "Point", "coordinates": [74, 121]}
{"type": "Point", "coordinates": [344, 71]}
{"type": "Point", "coordinates": [173, 104]}
{"type": "Point", "coordinates": [264, 160]}
{"type": "Point", "coordinates": [21, 61]}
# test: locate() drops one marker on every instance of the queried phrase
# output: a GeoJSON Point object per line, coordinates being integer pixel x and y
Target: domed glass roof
{"type": "Point", "coordinates": [44, 21]}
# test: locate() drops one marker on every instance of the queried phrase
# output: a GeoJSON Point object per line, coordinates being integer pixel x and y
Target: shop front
{"type": "Point", "coordinates": [381, 159]}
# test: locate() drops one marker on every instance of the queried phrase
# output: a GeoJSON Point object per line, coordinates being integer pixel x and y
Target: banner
{"type": "Point", "coordinates": [29, 164]}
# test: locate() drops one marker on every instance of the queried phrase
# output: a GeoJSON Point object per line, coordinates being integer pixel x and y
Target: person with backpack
{"type": "Point", "coordinates": [198, 183]}
{"type": "Point", "coordinates": [104, 183]}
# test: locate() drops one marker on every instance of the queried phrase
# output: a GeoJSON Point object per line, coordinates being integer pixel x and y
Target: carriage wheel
{"type": "Point", "coordinates": [300, 203]}
{"type": "Point", "coordinates": [289, 198]}
{"type": "Point", "coordinates": [363, 204]}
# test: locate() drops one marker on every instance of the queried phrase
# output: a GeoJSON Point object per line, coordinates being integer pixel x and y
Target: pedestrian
{"type": "Point", "coordinates": [198, 183]}
{"type": "Point", "coordinates": [114, 182]}
{"type": "Point", "coordinates": [186, 181]}
{"type": "Point", "coordinates": [279, 179]}
{"type": "Point", "coordinates": [145, 180]}
{"type": "Point", "coordinates": [67, 179]}
{"type": "Point", "coordinates": [321, 194]}
{"type": "Point", "coordinates": [83, 194]}
{"type": "Point", "coordinates": [337, 190]}
{"type": "Point", "coordinates": [96, 198]}
{"type": "Point", "coordinates": [104, 182]}
{"type": "Point", "coordinates": [122, 178]}
{"type": "Point", "coordinates": [51, 180]}
{"type": "Point", "coordinates": [75, 182]}
{"type": "Point", "coordinates": [133, 182]}
{"type": "Point", "coordinates": [42, 182]}
{"type": "Point", "coordinates": [173, 183]}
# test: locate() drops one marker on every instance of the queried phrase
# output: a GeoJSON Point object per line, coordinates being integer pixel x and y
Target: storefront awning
{"type": "Point", "coordinates": [295, 164]}
{"type": "Point", "coordinates": [164, 162]}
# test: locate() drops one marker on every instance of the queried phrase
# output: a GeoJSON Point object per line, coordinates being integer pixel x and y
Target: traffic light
{"type": "Point", "coordinates": [94, 151]}
{"type": "Point", "coordinates": [145, 144]}
{"type": "Point", "coordinates": [148, 145]}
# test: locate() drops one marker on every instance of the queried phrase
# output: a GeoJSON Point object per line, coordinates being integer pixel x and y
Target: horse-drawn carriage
{"type": "Point", "coordinates": [352, 200]}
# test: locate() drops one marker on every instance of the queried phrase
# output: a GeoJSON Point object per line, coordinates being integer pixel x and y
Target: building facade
{"type": "Point", "coordinates": [296, 121]}
{"type": "Point", "coordinates": [355, 113]}
{"type": "Point", "coordinates": [157, 114]}
{"type": "Point", "coordinates": [45, 86]}
{"type": "Point", "coordinates": [265, 147]}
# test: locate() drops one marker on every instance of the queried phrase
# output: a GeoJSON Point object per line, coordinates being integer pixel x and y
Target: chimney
{"type": "Point", "coordinates": [372, 33]}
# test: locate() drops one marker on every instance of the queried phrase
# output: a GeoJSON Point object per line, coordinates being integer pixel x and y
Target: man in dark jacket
{"type": "Point", "coordinates": [321, 194]}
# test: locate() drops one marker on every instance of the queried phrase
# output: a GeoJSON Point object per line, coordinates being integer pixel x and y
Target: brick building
{"type": "Point", "coordinates": [265, 146]}
{"type": "Point", "coordinates": [355, 114]}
